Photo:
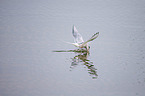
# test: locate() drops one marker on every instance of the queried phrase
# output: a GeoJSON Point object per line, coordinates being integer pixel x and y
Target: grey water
{"type": "Point", "coordinates": [31, 30]}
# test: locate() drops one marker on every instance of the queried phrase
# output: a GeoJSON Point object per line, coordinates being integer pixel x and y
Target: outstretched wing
{"type": "Point", "coordinates": [92, 38]}
{"type": "Point", "coordinates": [77, 36]}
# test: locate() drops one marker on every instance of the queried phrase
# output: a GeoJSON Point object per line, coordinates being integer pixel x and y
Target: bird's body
{"type": "Point", "coordinates": [79, 42]}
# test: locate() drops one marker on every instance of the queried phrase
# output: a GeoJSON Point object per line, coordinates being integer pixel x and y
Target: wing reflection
{"type": "Point", "coordinates": [82, 57]}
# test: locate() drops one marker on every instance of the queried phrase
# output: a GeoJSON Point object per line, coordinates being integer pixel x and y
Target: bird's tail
{"type": "Point", "coordinates": [67, 42]}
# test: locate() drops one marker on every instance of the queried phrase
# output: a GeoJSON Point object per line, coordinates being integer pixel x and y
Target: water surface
{"type": "Point", "coordinates": [31, 30]}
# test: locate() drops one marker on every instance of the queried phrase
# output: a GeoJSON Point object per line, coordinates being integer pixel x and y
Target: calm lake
{"type": "Point", "coordinates": [31, 30]}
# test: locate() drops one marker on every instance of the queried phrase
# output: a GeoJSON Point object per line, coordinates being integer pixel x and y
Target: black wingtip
{"type": "Point", "coordinates": [95, 34]}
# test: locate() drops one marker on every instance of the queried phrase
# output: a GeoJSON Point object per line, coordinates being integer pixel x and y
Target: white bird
{"type": "Point", "coordinates": [78, 39]}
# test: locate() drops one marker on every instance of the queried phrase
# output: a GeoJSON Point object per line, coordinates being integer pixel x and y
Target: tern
{"type": "Point", "coordinates": [78, 39]}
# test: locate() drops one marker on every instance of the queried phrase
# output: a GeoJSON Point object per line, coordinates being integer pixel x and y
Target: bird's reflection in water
{"type": "Point", "coordinates": [81, 57]}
